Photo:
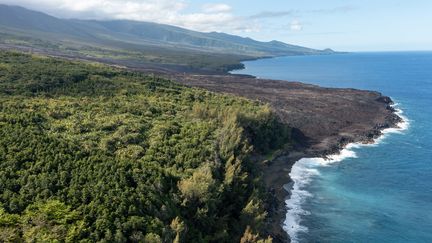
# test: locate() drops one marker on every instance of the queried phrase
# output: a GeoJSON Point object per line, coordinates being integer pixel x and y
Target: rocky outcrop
{"type": "Point", "coordinates": [324, 121]}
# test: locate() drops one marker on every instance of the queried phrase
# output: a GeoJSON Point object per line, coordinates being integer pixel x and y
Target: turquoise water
{"type": "Point", "coordinates": [378, 193]}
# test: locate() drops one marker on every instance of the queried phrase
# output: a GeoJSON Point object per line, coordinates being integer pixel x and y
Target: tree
{"type": "Point", "coordinates": [49, 221]}
{"type": "Point", "coordinates": [197, 187]}
{"type": "Point", "coordinates": [250, 237]}
{"type": "Point", "coordinates": [94, 153]}
{"type": "Point", "coordinates": [178, 227]}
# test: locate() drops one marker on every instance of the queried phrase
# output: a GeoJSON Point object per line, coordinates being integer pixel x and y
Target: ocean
{"type": "Point", "coordinates": [368, 193]}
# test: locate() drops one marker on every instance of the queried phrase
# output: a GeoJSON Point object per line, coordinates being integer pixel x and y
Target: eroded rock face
{"type": "Point", "coordinates": [385, 99]}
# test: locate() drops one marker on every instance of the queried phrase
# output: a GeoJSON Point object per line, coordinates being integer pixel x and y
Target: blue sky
{"type": "Point", "coordinates": [354, 25]}
{"type": "Point", "coordinates": [350, 25]}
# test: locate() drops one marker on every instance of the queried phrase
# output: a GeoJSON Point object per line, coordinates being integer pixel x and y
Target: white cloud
{"type": "Point", "coordinates": [296, 25]}
{"type": "Point", "coordinates": [216, 8]}
{"type": "Point", "coordinates": [212, 17]}
{"type": "Point", "coordinates": [112, 9]}
{"type": "Point", "coordinates": [271, 14]}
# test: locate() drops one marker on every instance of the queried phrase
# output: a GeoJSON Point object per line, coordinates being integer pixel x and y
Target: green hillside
{"type": "Point", "coordinates": [90, 153]}
{"type": "Point", "coordinates": [131, 42]}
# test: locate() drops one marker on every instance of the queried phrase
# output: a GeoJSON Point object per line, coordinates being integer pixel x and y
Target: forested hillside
{"type": "Point", "coordinates": [92, 153]}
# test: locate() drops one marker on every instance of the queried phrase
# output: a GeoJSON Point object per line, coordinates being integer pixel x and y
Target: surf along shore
{"type": "Point", "coordinates": [304, 170]}
{"type": "Point", "coordinates": [325, 121]}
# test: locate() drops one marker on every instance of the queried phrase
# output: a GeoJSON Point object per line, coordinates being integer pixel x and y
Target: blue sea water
{"type": "Point", "coordinates": [375, 193]}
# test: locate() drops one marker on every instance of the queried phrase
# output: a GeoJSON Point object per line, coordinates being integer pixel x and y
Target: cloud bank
{"type": "Point", "coordinates": [207, 17]}
{"type": "Point", "coordinates": [212, 17]}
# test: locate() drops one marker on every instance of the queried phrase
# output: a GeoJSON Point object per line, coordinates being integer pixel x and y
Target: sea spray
{"type": "Point", "coordinates": [386, 194]}
{"type": "Point", "coordinates": [301, 174]}
{"type": "Point", "coordinates": [304, 170]}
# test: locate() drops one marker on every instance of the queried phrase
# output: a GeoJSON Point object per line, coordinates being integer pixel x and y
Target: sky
{"type": "Point", "coordinates": [343, 25]}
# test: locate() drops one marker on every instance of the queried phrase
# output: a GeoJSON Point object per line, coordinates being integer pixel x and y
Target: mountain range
{"type": "Point", "coordinates": [135, 42]}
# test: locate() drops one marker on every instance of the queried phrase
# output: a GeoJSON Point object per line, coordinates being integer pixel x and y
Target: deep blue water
{"type": "Point", "coordinates": [379, 193]}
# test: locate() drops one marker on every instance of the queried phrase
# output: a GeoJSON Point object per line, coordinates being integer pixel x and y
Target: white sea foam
{"type": "Point", "coordinates": [304, 170]}
{"type": "Point", "coordinates": [400, 127]}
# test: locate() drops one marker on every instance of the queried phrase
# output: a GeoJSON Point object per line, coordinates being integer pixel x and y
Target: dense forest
{"type": "Point", "coordinates": [90, 153]}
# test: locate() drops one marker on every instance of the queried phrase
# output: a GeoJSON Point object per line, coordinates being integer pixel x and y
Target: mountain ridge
{"type": "Point", "coordinates": [148, 42]}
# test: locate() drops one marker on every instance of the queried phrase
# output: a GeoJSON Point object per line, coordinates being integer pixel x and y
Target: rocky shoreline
{"type": "Point", "coordinates": [325, 120]}
{"type": "Point", "coordinates": [281, 165]}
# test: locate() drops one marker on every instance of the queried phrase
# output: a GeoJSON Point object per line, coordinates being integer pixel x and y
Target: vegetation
{"type": "Point", "coordinates": [92, 153]}
{"type": "Point", "coordinates": [133, 43]}
{"type": "Point", "coordinates": [128, 54]}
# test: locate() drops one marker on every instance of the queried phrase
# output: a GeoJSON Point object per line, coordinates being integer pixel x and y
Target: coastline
{"type": "Point", "coordinates": [160, 68]}
{"type": "Point", "coordinates": [243, 66]}
{"type": "Point", "coordinates": [304, 169]}
{"type": "Point", "coordinates": [324, 121]}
